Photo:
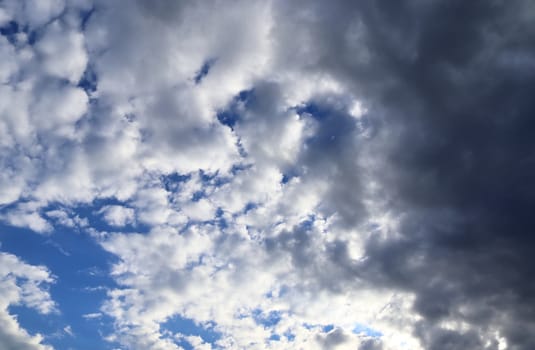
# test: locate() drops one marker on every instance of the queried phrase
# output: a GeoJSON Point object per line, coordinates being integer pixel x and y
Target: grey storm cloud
{"type": "Point", "coordinates": [451, 83]}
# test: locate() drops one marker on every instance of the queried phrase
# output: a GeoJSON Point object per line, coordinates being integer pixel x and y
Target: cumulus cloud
{"type": "Point", "coordinates": [22, 284]}
{"type": "Point", "coordinates": [63, 52]}
{"type": "Point", "coordinates": [27, 215]}
{"type": "Point", "coordinates": [117, 215]}
{"type": "Point", "coordinates": [302, 174]}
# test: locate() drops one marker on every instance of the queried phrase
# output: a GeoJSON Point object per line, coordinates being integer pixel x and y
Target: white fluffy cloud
{"type": "Point", "coordinates": [22, 284]}
{"type": "Point", "coordinates": [259, 225]}
{"type": "Point", "coordinates": [117, 215]}
{"type": "Point", "coordinates": [227, 244]}
{"type": "Point", "coordinates": [63, 52]}
{"type": "Point", "coordinates": [210, 275]}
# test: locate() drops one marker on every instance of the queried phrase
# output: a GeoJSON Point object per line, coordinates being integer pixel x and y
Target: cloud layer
{"type": "Point", "coordinates": [278, 175]}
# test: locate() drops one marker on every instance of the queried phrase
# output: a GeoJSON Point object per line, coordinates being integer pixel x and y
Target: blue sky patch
{"type": "Point", "coordinates": [10, 31]}
{"type": "Point", "coordinates": [267, 320]}
{"type": "Point", "coordinates": [186, 326]}
{"type": "Point", "coordinates": [80, 287]}
{"type": "Point", "coordinates": [232, 114]}
{"type": "Point", "coordinates": [203, 72]}
{"type": "Point", "coordinates": [362, 329]}
{"type": "Point", "coordinates": [89, 80]}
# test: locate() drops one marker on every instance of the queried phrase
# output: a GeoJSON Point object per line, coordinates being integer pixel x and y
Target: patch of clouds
{"type": "Point", "coordinates": [92, 315]}
{"type": "Point", "coordinates": [66, 218]}
{"type": "Point", "coordinates": [35, 13]}
{"type": "Point", "coordinates": [371, 164]}
{"type": "Point", "coordinates": [22, 284]}
{"type": "Point", "coordinates": [117, 215]}
{"type": "Point", "coordinates": [28, 215]}
{"type": "Point", "coordinates": [63, 52]}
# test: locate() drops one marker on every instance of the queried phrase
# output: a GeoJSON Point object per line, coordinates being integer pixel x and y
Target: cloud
{"type": "Point", "coordinates": [338, 165]}
{"type": "Point", "coordinates": [33, 12]}
{"type": "Point", "coordinates": [27, 215]}
{"type": "Point", "coordinates": [68, 219]}
{"type": "Point", "coordinates": [116, 215]}
{"type": "Point", "coordinates": [68, 330]}
{"type": "Point", "coordinates": [63, 52]}
{"type": "Point", "coordinates": [22, 284]}
{"type": "Point", "coordinates": [92, 315]}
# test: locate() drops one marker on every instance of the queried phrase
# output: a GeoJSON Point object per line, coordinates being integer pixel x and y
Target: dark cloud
{"type": "Point", "coordinates": [371, 344]}
{"type": "Point", "coordinates": [331, 154]}
{"type": "Point", "coordinates": [451, 83]}
{"type": "Point", "coordinates": [441, 339]}
{"type": "Point", "coordinates": [332, 339]}
{"type": "Point", "coordinates": [318, 265]}
{"type": "Point", "coordinates": [162, 9]}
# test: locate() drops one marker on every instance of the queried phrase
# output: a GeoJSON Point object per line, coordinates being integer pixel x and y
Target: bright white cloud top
{"type": "Point", "coordinates": [260, 174]}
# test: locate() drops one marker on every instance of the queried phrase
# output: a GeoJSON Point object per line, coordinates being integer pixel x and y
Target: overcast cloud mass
{"type": "Point", "coordinates": [267, 174]}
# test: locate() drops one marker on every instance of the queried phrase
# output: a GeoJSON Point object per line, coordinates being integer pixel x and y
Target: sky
{"type": "Point", "coordinates": [267, 174]}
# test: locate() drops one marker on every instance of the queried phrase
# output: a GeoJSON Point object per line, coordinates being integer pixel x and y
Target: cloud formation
{"type": "Point", "coordinates": [22, 284]}
{"type": "Point", "coordinates": [279, 174]}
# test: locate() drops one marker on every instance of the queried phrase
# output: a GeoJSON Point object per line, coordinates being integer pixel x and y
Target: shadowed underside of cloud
{"type": "Point", "coordinates": [300, 174]}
